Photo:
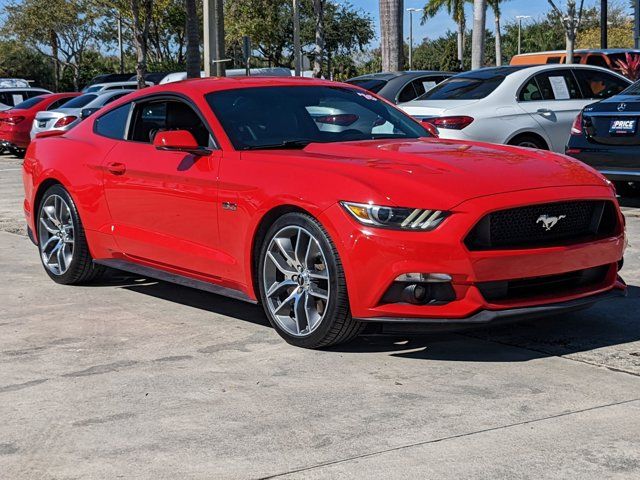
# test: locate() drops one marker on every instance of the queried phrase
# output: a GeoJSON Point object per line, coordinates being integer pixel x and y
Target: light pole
{"type": "Point", "coordinates": [411, 10]}
{"type": "Point", "coordinates": [520, 18]}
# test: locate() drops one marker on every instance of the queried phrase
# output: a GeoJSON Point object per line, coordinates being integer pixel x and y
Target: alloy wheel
{"type": "Point", "coordinates": [56, 234]}
{"type": "Point", "coordinates": [296, 281]}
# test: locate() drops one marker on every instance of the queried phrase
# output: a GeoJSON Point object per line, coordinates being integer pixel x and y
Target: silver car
{"type": "Point", "coordinates": [70, 113]}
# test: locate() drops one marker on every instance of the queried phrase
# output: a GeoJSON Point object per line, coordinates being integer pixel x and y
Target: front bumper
{"type": "Point", "coordinates": [373, 258]}
{"type": "Point", "coordinates": [512, 314]}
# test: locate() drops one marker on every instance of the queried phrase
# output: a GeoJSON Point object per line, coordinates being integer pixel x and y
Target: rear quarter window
{"type": "Point", "coordinates": [113, 124]}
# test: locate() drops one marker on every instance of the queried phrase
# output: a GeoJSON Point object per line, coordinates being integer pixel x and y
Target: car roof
{"type": "Point", "coordinates": [391, 75]}
{"type": "Point", "coordinates": [22, 89]}
{"type": "Point", "coordinates": [606, 51]}
{"type": "Point", "coordinates": [206, 85]}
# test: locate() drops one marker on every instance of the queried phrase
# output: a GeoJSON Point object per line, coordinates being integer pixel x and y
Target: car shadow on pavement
{"type": "Point", "coordinates": [609, 323]}
{"type": "Point", "coordinates": [186, 296]}
{"type": "Point", "coordinates": [612, 322]}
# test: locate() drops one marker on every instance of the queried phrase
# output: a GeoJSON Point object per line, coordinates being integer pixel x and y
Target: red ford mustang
{"type": "Point", "coordinates": [324, 203]}
{"type": "Point", "coordinates": [15, 123]}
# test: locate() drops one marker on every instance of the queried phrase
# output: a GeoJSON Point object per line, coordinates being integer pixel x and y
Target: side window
{"type": "Point", "coordinates": [55, 105]}
{"type": "Point", "coordinates": [558, 85]}
{"type": "Point", "coordinates": [423, 84]}
{"type": "Point", "coordinates": [597, 84]}
{"type": "Point", "coordinates": [152, 117]}
{"type": "Point", "coordinates": [5, 99]}
{"type": "Point", "coordinates": [597, 60]}
{"type": "Point", "coordinates": [112, 124]}
{"type": "Point", "coordinates": [114, 97]}
{"type": "Point", "coordinates": [530, 92]}
{"type": "Point", "coordinates": [407, 94]}
{"type": "Point", "coordinates": [553, 60]}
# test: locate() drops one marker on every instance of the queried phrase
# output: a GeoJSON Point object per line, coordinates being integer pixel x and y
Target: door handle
{"type": "Point", "coordinates": [545, 112]}
{"type": "Point", "coordinates": [116, 168]}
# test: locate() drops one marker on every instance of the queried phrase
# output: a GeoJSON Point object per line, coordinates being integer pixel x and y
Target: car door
{"type": "Point", "coordinates": [163, 203]}
{"type": "Point", "coordinates": [553, 100]}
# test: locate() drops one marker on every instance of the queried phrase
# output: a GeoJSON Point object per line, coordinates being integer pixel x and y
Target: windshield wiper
{"type": "Point", "coordinates": [286, 144]}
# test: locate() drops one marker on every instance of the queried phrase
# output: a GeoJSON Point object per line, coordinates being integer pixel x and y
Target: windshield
{"type": "Point", "coordinates": [79, 102]}
{"type": "Point", "coordinates": [371, 84]}
{"type": "Point", "coordinates": [292, 117]}
{"type": "Point", "coordinates": [465, 87]}
{"type": "Point", "coordinates": [94, 88]}
{"type": "Point", "coordinates": [28, 103]}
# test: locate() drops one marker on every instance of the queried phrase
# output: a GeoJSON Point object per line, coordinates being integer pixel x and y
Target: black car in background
{"type": "Point", "coordinates": [399, 87]}
{"type": "Point", "coordinates": [606, 135]}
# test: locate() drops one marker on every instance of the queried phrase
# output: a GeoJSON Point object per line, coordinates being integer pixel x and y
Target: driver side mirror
{"type": "Point", "coordinates": [179, 141]}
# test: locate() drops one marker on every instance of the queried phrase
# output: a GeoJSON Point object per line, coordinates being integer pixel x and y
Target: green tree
{"type": "Point", "coordinates": [455, 8]}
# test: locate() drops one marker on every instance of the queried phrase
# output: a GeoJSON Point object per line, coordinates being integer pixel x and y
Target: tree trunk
{"type": "Point", "coordinates": [141, 36]}
{"type": "Point", "coordinates": [318, 58]}
{"type": "Point", "coordinates": [498, 42]}
{"type": "Point", "coordinates": [460, 45]}
{"type": "Point", "coordinates": [391, 37]}
{"type": "Point", "coordinates": [570, 40]}
{"type": "Point", "coordinates": [193, 40]}
{"type": "Point", "coordinates": [56, 63]}
{"type": "Point", "coordinates": [479, 30]}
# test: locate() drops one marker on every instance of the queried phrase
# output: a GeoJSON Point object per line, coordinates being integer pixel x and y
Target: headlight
{"type": "Point", "coordinates": [416, 219]}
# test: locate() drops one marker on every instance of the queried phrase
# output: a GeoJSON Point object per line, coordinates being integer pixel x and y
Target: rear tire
{"type": "Point", "coordinates": [61, 240]}
{"type": "Point", "coordinates": [528, 141]}
{"type": "Point", "coordinates": [302, 284]}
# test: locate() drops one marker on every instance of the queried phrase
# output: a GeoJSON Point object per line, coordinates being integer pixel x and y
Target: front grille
{"type": "Point", "coordinates": [544, 225]}
{"type": "Point", "coordinates": [556, 285]}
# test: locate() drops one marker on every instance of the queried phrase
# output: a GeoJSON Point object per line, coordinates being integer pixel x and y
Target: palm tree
{"type": "Point", "coordinates": [391, 41]}
{"type": "Point", "coordinates": [495, 6]}
{"type": "Point", "coordinates": [479, 31]}
{"type": "Point", "coordinates": [455, 8]}
{"type": "Point", "coordinates": [570, 22]}
{"type": "Point", "coordinates": [193, 40]}
{"type": "Point", "coordinates": [318, 58]}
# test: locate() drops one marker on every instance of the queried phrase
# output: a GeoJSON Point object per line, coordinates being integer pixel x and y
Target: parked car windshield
{"type": "Point", "coordinates": [292, 117]}
{"type": "Point", "coordinates": [371, 84]}
{"type": "Point", "coordinates": [468, 86]}
{"type": "Point", "coordinates": [28, 103]}
{"type": "Point", "coordinates": [79, 102]}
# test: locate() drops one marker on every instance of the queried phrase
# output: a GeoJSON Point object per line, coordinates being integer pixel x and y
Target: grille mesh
{"type": "Point", "coordinates": [524, 227]}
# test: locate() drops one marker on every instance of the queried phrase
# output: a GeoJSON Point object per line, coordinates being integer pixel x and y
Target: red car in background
{"type": "Point", "coordinates": [15, 123]}
{"type": "Point", "coordinates": [323, 202]}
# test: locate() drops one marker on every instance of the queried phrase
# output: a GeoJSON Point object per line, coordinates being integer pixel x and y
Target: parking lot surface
{"type": "Point", "coordinates": [135, 378]}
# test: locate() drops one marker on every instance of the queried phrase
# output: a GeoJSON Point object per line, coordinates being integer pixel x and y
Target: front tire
{"type": "Point", "coordinates": [61, 240]}
{"type": "Point", "coordinates": [302, 284]}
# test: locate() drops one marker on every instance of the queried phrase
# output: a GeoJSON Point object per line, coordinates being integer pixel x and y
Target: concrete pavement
{"type": "Point", "coordinates": [134, 378]}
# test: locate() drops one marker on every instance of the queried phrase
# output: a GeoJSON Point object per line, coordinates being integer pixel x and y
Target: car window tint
{"type": "Point", "coordinates": [157, 116]}
{"type": "Point", "coordinates": [597, 84]}
{"type": "Point", "coordinates": [407, 94]}
{"type": "Point", "coordinates": [530, 92]}
{"type": "Point", "coordinates": [468, 86]}
{"type": "Point", "coordinates": [55, 105]}
{"type": "Point", "coordinates": [371, 84]}
{"type": "Point", "coordinates": [597, 60]}
{"type": "Point", "coordinates": [553, 60]}
{"type": "Point", "coordinates": [79, 102]}
{"type": "Point", "coordinates": [114, 97]}
{"type": "Point", "coordinates": [256, 118]}
{"type": "Point", "coordinates": [112, 124]}
{"type": "Point", "coordinates": [28, 103]}
{"type": "Point", "coordinates": [558, 85]}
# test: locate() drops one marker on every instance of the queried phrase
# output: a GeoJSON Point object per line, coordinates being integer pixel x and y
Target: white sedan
{"type": "Point", "coordinates": [516, 105]}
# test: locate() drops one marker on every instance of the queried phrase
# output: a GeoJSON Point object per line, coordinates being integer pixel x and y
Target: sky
{"type": "Point", "coordinates": [438, 25]}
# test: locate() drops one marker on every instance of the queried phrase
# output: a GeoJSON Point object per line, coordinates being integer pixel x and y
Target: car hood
{"type": "Point", "coordinates": [423, 108]}
{"type": "Point", "coordinates": [442, 172]}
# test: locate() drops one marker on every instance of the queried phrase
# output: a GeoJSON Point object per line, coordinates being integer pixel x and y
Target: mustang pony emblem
{"type": "Point", "coordinates": [549, 222]}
